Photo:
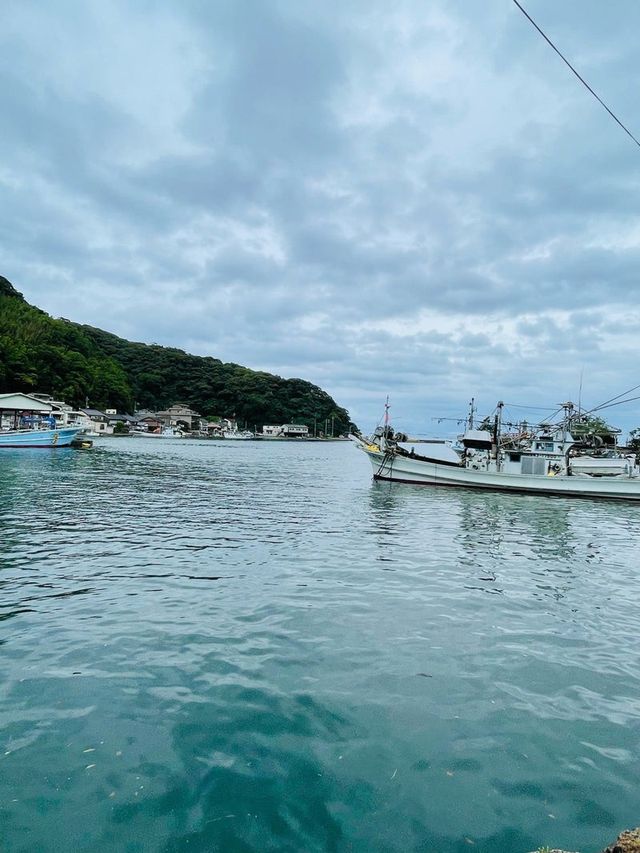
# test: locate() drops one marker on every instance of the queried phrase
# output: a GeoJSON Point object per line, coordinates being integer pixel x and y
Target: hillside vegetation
{"type": "Point", "coordinates": [77, 363]}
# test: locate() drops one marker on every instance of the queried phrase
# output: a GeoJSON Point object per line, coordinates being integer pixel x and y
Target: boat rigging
{"type": "Point", "coordinates": [556, 457]}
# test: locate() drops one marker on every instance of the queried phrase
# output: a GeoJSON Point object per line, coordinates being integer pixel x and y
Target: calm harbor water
{"type": "Point", "coordinates": [253, 647]}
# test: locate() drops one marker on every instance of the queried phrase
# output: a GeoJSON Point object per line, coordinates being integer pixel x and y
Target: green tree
{"type": "Point", "coordinates": [588, 426]}
{"type": "Point", "coordinates": [73, 362]}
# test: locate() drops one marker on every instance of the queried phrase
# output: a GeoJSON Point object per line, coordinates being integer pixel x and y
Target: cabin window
{"type": "Point", "coordinates": [546, 446]}
{"type": "Point", "coordinates": [514, 457]}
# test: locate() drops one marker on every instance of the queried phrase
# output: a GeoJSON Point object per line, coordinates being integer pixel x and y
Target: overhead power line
{"type": "Point", "coordinates": [581, 79]}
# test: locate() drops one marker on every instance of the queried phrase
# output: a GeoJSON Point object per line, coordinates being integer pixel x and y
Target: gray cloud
{"type": "Point", "coordinates": [405, 200]}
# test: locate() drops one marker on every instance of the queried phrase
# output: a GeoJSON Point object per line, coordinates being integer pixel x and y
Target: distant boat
{"type": "Point", "coordinates": [237, 435]}
{"type": "Point", "coordinates": [167, 432]}
{"type": "Point", "coordinates": [546, 459]}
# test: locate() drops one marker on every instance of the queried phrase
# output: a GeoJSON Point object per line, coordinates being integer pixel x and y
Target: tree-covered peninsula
{"type": "Point", "coordinates": [79, 363]}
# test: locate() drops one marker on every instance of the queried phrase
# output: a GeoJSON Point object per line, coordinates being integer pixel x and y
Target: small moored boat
{"type": "Point", "coordinates": [26, 421]}
{"type": "Point", "coordinates": [167, 432]}
{"type": "Point", "coordinates": [238, 435]}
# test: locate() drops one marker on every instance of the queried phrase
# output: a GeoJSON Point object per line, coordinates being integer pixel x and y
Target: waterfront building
{"type": "Point", "coordinates": [148, 423]}
{"type": "Point", "coordinates": [295, 431]}
{"type": "Point", "coordinates": [286, 431]}
{"type": "Point", "coordinates": [96, 422]}
{"type": "Point", "coordinates": [179, 414]}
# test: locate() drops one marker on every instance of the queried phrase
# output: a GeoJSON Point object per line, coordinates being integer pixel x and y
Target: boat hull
{"type": "Point", "coordinates": [39, 437]}
{"type": "Point", "coordinates": [404, 469]}
{"type": "Point", "coordinates": [166, 433]}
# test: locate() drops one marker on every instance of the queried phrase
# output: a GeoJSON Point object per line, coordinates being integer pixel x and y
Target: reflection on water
{"type": "Point", "coordinates": [209, 646]}
{"type": "Point", "coordinates": [491, 532]}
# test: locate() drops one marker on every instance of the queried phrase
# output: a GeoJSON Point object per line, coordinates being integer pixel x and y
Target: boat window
{"type": "Point", "coordinates": [547, 446]}
{"type": "Point", "coordinates": [514, 457]}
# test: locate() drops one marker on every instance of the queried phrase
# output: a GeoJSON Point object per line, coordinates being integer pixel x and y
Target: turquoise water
{"type": "Point", "coordinates": [252, 647]}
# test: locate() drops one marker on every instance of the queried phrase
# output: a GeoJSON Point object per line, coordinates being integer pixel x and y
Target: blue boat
{"type": "Point", "coordinates": [29, 422]}
{"type": "Point", "coordinates": [61, 437]}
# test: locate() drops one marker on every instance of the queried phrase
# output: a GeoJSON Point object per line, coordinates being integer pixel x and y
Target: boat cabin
{"type": "Point", "coordinates": [15, 407]}
{"type": "Point", "coordinates": [539, 455]}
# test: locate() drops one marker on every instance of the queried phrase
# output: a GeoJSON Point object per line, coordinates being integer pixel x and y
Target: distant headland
{"type": "Point", "coordinates": [89, 367]}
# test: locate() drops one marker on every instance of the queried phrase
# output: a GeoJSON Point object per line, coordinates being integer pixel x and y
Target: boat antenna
{"type": "Point", "coordinates": [580, 392]}
{"type": "Point", "coordinates": [472, 411]}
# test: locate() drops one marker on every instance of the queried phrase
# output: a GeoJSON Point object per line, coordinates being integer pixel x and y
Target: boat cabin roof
{"type": "Point", "coordinates": [22, 403]}
{"type": "Point", "coordinates": [478, 438]}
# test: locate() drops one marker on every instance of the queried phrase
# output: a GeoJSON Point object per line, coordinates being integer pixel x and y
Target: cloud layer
{"type": "Point", "coordinates": [417, 200]}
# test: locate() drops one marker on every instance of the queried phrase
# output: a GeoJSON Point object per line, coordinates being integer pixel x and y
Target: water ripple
{"type": "Point", "coordinates": [245, 648]}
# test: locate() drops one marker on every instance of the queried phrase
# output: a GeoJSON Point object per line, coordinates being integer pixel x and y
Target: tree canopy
{"type": "Point", "coordinates": [80, 363]}
{"type": "Point", "coordinates": [591, 425]}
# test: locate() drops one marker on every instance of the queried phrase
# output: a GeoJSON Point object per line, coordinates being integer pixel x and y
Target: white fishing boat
{"type": "Point", "coordinates": [547, 459]}
{"type": "Point", "coordinates": [238, 435]}
{"type": "Point", "coordinates": [167, 432]}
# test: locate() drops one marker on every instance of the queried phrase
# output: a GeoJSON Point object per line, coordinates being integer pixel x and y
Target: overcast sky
{"type": "Point", "coordinates": [412, 198]}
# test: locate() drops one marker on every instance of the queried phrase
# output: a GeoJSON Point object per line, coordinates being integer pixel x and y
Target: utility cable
{"type": "Point", "coordinates": [619, 403]}
{"type": "Point", "coordinates": [617, 397]}
{"type": "Point", "coordinates": [529, 408]}
{"type": "Point", "coordinates": [581, 79]}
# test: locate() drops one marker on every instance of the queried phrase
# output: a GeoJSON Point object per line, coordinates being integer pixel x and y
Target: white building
{"type": "Point", "coordinates": [286, 431]}
{"type": "Point", "coordinates": [295, 430]}
{"type": "Point", "coordinates": [64, 414]}
{"type": "Point", "coordinates": [97, 422]}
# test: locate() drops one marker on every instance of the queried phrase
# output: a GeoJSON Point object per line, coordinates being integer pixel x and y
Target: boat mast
{"type": "Point", "coordinates": [472, 410]}
{"type": "Point", "coordinates": [385, 432]}
{"type": "Point", "coordinates": [498, 429]}
{"type": "Point", "coordinates": [566, 421]}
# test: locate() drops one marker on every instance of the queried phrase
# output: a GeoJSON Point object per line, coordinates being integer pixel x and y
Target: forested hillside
{"type": "Point", "coordinates": [76, 363]}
